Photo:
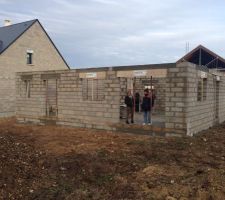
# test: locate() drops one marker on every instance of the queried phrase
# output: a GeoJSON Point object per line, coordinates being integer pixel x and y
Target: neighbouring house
{"type": "Point", "coordinates": [190, 95]}
{"type": "Point", "coordinates": [24, 47]}
{"type": "Point", "coordinates": [204, 57]}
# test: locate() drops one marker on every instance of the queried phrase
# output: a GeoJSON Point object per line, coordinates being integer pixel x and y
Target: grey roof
{"type": "Point", "coordinates": [9, 34]}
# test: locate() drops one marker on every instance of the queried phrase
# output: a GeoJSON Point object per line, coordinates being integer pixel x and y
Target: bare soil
{"type": "Point", "coordinates": [49, 162]}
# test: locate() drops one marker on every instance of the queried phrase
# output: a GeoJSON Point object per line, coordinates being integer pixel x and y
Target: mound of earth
{"type": "Point", "coordinates": [49, 162]}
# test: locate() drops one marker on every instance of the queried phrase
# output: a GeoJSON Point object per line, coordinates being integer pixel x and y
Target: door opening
{"type": "Point", "coordinates": [51, 98]}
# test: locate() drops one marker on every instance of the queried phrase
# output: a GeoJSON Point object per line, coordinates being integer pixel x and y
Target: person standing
{"type": "Point", "coordinates": [129, 101]}
{"type": "Point", "coordinates": [146, 107]}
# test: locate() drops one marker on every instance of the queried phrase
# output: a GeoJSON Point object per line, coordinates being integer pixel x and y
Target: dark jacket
{"type": "Point", "coordinates": [129, 101]}
{"type": "Point", "coordinates": [146, 104]}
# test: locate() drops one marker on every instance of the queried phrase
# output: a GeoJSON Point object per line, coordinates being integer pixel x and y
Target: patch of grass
{"type": "Point", "coordinates": [104, 179]}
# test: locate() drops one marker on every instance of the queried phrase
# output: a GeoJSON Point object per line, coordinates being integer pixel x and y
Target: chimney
{"type": "Point", "coordinates": [7, 22]}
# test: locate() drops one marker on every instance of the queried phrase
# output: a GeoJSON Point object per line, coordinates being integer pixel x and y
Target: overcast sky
{"type": "Point", "coordinates": [124, 32]}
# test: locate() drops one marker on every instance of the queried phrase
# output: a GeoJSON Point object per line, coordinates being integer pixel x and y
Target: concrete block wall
{"type": "Point", "coordinates": [33, 108]}
{"type": "Point", "coordinates": [222, 99]}
{"type": "Point", "coordinates": [76, 111]}
{"type": "Point", "coordinates": [184, 113]}
{"type": "Point", "coordinates": [201, 115]}
{"type": "Point", "coordinates": [73, 109]}
{"type": "Point", "coordinates": [175, 99]}
{"type": "Point", "coordinates": [123, 89]}
{"type": "Point", "coordinates": [7, 95]}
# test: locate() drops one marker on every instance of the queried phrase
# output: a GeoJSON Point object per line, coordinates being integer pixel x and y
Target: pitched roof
{"type": "Point", "coordinates": [205, 57]}
{"type": "Point", "coordinates": [9, 34]}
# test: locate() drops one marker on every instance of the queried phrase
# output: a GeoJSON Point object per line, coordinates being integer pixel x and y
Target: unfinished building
{"type": "Point", "coordinates": [190, 97]}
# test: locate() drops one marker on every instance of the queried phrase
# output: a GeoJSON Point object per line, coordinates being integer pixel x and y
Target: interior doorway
{"type": "Point", "coordinates": [137, 85]}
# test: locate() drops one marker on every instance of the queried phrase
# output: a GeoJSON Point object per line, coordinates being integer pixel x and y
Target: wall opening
{"type": "Point", "coordinates": [93, 89]}
{"type": "Point", "coordinates": [51, 97]}
{"type": "Point", "coordinates": [137, 85]}
{"type": "Point", "coordinates": [202, 89]}
{"type": "Point", "coordinates": [27, 88]}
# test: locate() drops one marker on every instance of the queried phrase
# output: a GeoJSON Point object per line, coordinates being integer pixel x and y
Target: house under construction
{"type": "Point", "coordinates": [190, 95]}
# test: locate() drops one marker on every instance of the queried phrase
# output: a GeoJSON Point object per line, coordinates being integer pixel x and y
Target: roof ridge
{"type": "Point", "coordinates": [24, 25]}
{"type": "Point", "coordinates": [19, 23]}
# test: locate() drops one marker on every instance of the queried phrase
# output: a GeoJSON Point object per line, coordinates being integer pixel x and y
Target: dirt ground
{"type": "Point", "coordinates": [49, 162]}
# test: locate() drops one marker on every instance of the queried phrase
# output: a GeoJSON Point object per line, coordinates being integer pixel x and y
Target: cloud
{"type": "Point", "coordinates": [115, 32]}
{"type": "Point", "coordinates": [107, 2]}
{"type": "Point", "coordinates": [4, 2]}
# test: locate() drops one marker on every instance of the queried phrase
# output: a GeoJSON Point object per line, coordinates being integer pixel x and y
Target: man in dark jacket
{"type": "Point", "coordinates": [146, 107]}
{"type": "Point", "coordinates": [129, 101]}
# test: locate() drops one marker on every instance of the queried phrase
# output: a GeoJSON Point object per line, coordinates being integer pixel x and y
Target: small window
{"type": "Point", "coordinates": [29, 58]}
{"type": "Point", "coordinates": [202, 89]}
